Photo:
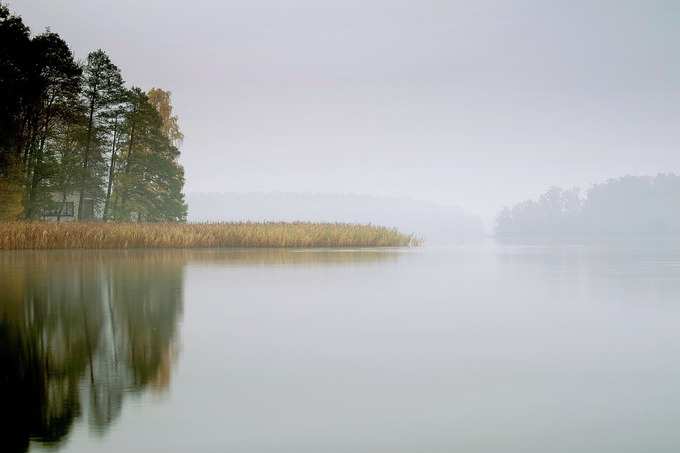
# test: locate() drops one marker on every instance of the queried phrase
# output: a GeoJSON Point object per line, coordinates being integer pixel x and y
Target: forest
{"type": "Point", "coordinates": [630, 205]}
{"type": "Point", "coordinates": [76, 142]}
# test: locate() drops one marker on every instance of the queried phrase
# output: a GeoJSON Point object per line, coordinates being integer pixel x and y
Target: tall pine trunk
{"type": "Point", "coordinates": [111, 171]}
{"type": "Point", "coordinates": [86, 157]}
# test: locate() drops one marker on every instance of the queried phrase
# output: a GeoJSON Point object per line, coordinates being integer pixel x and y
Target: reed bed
{"type": "Point", "coordinates": [99, 235]}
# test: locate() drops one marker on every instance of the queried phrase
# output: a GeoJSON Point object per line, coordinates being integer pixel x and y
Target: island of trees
{"type": "Point", "coordinates": [76, 142]}
{"type": "Point", "coordinates": [631, 205]}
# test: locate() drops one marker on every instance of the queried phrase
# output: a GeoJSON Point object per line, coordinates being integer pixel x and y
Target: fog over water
{"type": "Point", "coordinates": [472, 104]}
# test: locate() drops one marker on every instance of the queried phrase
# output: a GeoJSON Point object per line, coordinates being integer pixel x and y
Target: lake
{"type": "Point", "coordinates": [490, 347]}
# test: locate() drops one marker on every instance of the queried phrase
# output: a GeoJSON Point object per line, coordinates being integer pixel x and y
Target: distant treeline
{"type": "Point", "coordinates": [71, 130]}
{"type": "Point", "coordinates": [627, 205]}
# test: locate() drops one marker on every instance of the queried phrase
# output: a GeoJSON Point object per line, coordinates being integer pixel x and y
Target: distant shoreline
{"type": "Point", "coordinates": [101, 235]}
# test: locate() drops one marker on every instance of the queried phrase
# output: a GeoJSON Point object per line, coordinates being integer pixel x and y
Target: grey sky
{"type": "Point", "coordinates": [478, 104]}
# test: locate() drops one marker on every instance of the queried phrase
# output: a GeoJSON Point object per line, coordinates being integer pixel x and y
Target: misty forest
{"type": "Point", "coordinates": [72, 128]}
{"type": "Point", "coordinates": [631, 205]}
{"type": "Point", "coordinates": [76, 142]}
{"type": "Point", "coordinates": [380, 227]}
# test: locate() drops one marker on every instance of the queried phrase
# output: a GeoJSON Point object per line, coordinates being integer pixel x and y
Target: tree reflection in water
{"type": "Point", "coordinates": [79, 331]}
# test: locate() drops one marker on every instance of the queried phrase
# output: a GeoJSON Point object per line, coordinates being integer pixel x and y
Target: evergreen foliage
{"type": "Point", "coordinates": [73, 129]}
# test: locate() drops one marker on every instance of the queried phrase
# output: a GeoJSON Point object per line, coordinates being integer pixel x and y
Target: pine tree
{"type": "Point", "coordinates": [102, 87]}
{"type": "Point", "coordinates": [57, 79]}
{"type": "Point", "coordinates": [67, 128]}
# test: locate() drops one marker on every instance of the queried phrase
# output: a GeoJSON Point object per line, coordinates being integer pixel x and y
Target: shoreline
{"type": "Point", "coordinates": [122, 236]}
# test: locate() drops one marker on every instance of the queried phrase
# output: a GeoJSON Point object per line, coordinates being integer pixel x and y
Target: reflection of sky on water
{"type": "Point", "coordinates": [516, 347]}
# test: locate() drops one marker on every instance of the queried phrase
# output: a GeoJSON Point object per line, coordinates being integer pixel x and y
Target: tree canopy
{"type": "Point", "coordinates": [70, 128]}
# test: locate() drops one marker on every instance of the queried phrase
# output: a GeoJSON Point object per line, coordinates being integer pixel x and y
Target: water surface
{"type": "Point", "coordinates": [479, 348]}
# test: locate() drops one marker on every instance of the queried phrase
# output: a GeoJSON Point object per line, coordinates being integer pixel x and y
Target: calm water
{"type": "Point", "coordinates": [484, 348]}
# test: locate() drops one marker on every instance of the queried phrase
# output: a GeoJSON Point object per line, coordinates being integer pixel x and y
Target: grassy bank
{"type": "Point", "coordinates": [63, 235]}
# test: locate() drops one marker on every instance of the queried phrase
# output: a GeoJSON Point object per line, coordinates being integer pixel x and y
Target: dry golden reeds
{"type": "Point", "coordinates": [99, 235]}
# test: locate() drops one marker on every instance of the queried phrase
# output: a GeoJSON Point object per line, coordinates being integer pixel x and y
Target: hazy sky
{"type": "Point", "coordinates": [474, 103]}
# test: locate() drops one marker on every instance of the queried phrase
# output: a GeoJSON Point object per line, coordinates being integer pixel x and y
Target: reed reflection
{"type": "Point", "coordinates": [80, 331]}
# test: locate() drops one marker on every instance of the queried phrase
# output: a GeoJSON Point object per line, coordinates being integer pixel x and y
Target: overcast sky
{"type": "Point", "coordinates": [472, 103]}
